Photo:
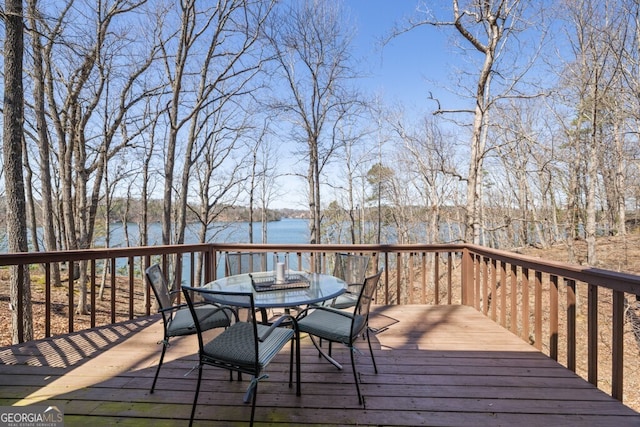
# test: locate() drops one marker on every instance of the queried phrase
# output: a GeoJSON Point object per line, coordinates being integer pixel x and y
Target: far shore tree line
{"type": "Point", "coordinates": [182, 113]}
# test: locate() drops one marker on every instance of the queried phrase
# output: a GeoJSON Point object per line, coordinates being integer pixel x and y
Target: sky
{"type": "Point", "coordinates": [401, 70]}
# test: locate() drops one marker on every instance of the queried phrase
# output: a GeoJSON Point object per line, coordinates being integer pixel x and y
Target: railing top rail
{"type": "Point", "coordinates": [617, 281]}
{"type": "Point", "coordinates": [307, 247]}
{"type": "Point", "coordinates": [16, 258]}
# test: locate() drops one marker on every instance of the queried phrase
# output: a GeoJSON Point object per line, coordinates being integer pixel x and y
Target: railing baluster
{"type": "Point", "coordinates": [47, 300]}
{"type": "Point", "coordinates": [132, 288]}
{"type": "Point", "coordinates": [20, 285]}
{"type": "Point", "coordinates": [485, 285]}
{"type": "Point", "coordinates": [503, 294]}
{"type": "Point", "coordinates": [71, 304]}
{"type": "Point", "coordinates": [525, 305]}
{"type": "Point", "coordinates": [398, 277]}
{"type": "Point", "coordinates": [423, 283]}
{"type": "Point", "coordinates": [92, 294]}
{"type": "Point", "coordinates": [538, 310]}
{"type": "Point", "coordinates": [592, 333]}
{"type": "Point", "coordinates": [113, 289]}
{"type": "Point", "coordinates": [450, 278]}
{"type": "Point", "coordinates": [571, 324]}
{"type": "Point", "coordinates": [617, 356]}
{"type": "Point", "coordinates": [410, 286]}
{"type": "Point", "coordinates": [553, 317]}
{"type": "Point", "coordinates": [494, 289]}
{"type": "Point", "coordinates": [477, 261]}
{"type": "Point", "coordinates": [436, 276]}
{"type": "Point", "coordinates": [514, 300]}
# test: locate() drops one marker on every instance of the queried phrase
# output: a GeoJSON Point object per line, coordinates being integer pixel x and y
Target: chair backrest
{"type": "Point", "coordinates": [242, 262]}
{"type": "Point", "coordinates": [351, 268]}
{"type": "Point", "coordinates": [361, 311]}
{"type": "Point", "coordinates": [228, 300]}
{"type": "Point", "coordinates": [159, 285]}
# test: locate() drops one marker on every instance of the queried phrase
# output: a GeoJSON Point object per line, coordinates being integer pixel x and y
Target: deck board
{"type": "Point", "coordinates": [437, 365]}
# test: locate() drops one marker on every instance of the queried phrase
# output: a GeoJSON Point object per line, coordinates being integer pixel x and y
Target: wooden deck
{"type": "Point", "coordinates": [438, 366]}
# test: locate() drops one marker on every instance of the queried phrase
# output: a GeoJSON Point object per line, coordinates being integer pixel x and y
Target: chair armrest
{"type": "Point", "coordinates": [172, 308]}
{"type": "Point", "coordinates": [353, 288]}
{"type": "Point", "coordinates": [184, 305]}
{"type": "Point", "coordinates": [276, 324]}
{"type": "Point", "coordinates": [346, 314]}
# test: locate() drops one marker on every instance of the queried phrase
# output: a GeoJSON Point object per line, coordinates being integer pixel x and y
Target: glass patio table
{"type": "Point", "coordinates": [297, 289]}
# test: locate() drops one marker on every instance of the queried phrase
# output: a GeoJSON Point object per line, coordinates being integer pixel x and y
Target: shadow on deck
{"type": "Point", "coordinates": [438, 365]}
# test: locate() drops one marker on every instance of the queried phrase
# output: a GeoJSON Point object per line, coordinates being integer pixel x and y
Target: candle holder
{"type": "Point", "coordinates": [280, 267]}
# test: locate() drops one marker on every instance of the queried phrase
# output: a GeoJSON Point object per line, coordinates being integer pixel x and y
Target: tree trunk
{"type": "Point", "coordinates": [592, 178]}
{"type": "Point", "coordinates": [13, 104]}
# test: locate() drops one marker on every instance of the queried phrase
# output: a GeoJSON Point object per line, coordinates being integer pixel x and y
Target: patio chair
{"type": "Point", "coordinates": [353, 270]}
{"type": "Point", "coordinates": [342, 326]}
{"type": "Point", "coordinates": [245, 262]}
{"type": "Point", "coordinates": [177, 319]}
{"type": "Point", "coordinates": [245, 346]}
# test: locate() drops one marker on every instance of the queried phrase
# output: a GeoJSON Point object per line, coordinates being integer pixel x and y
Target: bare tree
{"type": "Point", "coordinates": [209, 62]}
{"type": "Point", "coordinates": [311, 41]}
{"type": "Point", "coordinates": [486, 27]}
{"type": "Point", "coordinates": [262, 176]}
{"type": "Point", "coordinates": [88, 107]}
{"type": "Point", "coordinates": [426, 154]}
{"type": "Point", "coordinates": [217, 172]}
{"type": "Point", "coordinates": [591, 80]}
{"type": "Point", "coordinates": [357, 156]}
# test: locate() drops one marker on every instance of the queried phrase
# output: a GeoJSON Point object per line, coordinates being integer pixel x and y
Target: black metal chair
{"type": "Point", "coordinates": [245, 262]}
{"type": "Point", "coordinates": [245, 346]}
{"type": "Point", "coordinates": [341, 326]}
{"type": "Point", "coordinates": [353, 270]}
{"type": "Point", "coordinates": [177, 319]}
{"type": "Point", "coordinates": [242, 262]}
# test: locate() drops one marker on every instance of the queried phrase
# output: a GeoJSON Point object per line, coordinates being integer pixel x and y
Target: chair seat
{"type": "Point", "coordinates": [209, 317]}
{"type": "Point", "coordinates": [331, 325]}
{"type": "Point", "coordinates": [235, 346]}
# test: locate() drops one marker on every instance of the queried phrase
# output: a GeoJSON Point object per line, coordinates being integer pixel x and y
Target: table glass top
{"type": "Point", "coordinates": [321, 287]}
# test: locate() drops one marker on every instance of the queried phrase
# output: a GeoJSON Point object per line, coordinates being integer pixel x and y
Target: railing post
{"type": "Point", "coordinates": [210, 263]}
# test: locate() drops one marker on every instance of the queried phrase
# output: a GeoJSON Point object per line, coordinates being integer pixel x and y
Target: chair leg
{"type": "Point", "coordinates": [265, 316]}
{"type": "Point", "coordinates": [373, 359]}
{"type": "Point", "coordinates": [295, 350]}
{"type": "Point", "coordinates": [353, 365]}
{"type": "Point", "coordinates": [355, 372]}
{"type": "Point", "coordinates": [298, 391]}
{"type": "Point", "coordinates": [291, 366]}
{"type": "Point", "coordinates": [165, 344]}
{"type": "Point", "coordinates": [195, 398]}
{"type": "Point", "coordinates": [324, 354]}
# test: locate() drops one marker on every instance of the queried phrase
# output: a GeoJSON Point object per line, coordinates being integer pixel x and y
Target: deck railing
{"type": "Point", "coordinates": [574, 314]}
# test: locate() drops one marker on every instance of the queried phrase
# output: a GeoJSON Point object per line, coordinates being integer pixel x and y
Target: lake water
{"type": "Point", "coordinates": [288, 230]}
